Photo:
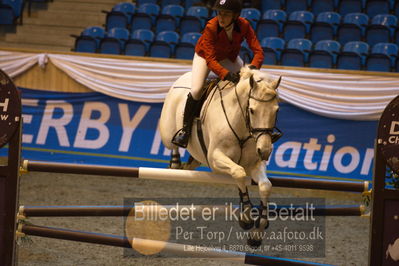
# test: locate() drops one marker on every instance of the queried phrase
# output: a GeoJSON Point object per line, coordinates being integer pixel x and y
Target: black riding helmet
{"type": "Point", "coordinates": [228, 5]}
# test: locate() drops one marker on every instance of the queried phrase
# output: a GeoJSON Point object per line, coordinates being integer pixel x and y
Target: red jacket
{"type": "Point", "coordinates": [215, 46]}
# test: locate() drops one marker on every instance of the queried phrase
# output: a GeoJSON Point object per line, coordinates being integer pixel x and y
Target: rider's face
{"type": "Point", "coordinates": [225, 18]}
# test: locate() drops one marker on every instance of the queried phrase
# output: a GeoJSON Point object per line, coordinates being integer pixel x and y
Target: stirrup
{"type": "Point", "coordinates": [181, 138]}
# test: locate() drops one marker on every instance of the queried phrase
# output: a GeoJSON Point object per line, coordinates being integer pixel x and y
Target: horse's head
{"type": "Point", "coordinates": [261, 108]}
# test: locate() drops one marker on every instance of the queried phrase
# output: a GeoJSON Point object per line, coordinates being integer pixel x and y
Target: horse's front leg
{"type": "Point", "coordinates": [220, 162]}
{"type": "Point", "coordinates": [265, 187]}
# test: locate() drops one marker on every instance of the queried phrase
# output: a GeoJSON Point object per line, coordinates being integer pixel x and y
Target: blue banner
{"type": "Point", "coordinates": [92, 128]}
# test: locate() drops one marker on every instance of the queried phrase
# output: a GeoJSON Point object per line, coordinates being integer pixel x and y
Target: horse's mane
{"type": "Point", "coordinates": [246, 72]}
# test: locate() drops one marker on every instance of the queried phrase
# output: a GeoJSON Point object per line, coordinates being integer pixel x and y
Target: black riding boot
{"type": "Point", "coordinates": [182, 136]}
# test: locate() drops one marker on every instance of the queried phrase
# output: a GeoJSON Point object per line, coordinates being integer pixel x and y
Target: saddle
{"type": "Point", "coordinates": [207, 88]}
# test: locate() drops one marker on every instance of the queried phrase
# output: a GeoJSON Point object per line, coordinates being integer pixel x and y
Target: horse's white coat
{"type": "Point", "coordinates": [224, 152]}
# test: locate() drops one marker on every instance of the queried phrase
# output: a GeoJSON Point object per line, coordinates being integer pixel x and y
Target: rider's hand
{"type": "Point", "coordinates": [252, 67]}
{"type": "Point", "coordinates": [233, 77]}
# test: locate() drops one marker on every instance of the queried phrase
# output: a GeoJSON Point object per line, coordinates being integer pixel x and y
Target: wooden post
{"type": "Point", "coordinates": [9, 190]}
{"type": "Point", "coordinates": [10, 132]}
{"type": "Point", "coordinates": [385, 201]}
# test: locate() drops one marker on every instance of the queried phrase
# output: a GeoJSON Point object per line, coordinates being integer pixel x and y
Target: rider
{"type": "Point", "coordinates": [218, 50]}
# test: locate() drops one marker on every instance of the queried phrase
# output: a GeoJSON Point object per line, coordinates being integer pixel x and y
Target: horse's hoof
{"type": "Point", "coordinates": [246, 226]}
{"type": "Point", "coordinates": [175, 166]}
{"type": "Point", "coordinates": [254, 243]}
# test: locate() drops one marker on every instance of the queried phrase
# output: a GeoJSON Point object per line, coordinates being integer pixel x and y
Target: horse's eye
{"type": "Point", "coordinates": [251, 110]}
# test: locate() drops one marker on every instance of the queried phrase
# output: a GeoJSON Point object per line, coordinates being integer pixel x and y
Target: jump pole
{"type": "Point", "coordinates": [188, 176]}
{"type": "Point", "coordinates": [177, 249]}
{"type": "Point", "coordinates": [94, 211]}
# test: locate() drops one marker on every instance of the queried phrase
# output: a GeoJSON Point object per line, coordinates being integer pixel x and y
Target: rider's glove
{"type": "Point", "coordinates": [233, 77]}
{"type": "Point", "coordinates": [252, 67]}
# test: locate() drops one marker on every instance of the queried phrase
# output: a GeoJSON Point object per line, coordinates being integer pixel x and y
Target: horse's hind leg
{"type": "Point", "coordinates": [191, 164]}
{"type": "Point", "coordinates": [175, 162]}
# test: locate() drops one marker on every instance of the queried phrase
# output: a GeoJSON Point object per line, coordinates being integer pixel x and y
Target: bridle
{"type": "Point", "coordinates": [254, 132]}
{"type": "Point", "coordinates": [274, 132]}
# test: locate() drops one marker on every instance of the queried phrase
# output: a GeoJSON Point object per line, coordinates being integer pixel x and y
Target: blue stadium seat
{"type": "Point", "coordinates": [246, 53]}
{"type": "Point", "coordinates": [270, 4]}
{"type": "Point", "coordinates": [350, 6]}
{"type": "Point", "coordinates": [320, 6]}
{"type": "Point", "coordinates": [169, 18]}
{"type": "Point", "coordinates": [85, 44]}
{"type": "Point", "coordinates": [381, 29]}
{"type": "Point", "coordinates": [139, 42]}
{"type": "Point", "coordinates": [271, 24]}
{"type": "Point", "coordinates": [114, 41]}
{"type": "Point", "coordinates": [298, 25]}
{"type": "Point", "coordinates": [353, 28]}
{"type": "Point", "coordinates": [382, 57]}
{"type": "Point", "coordinates": [116, 19]}
{"type": "Point", "coordinates": [11, 11]}
{"type": "Point", "coordinates": [392, 4]}
{"type": "Point", "coordinates": [186, 47]}
{"type": "Point", "coordinates": [353, 56]}
{"type": "Point", "coordinates": [324, 54]}
{"type": "Point", "coordinates": [94, 31]}
{"type": "Point", "coordinates": [190, 3]}
{"type": "Point", "coordinates": [127, 8]}
{"type": "Point", "coordinates": [272, 48]}
{"type": "Point", "coordinates": [17, 6]}
{"type": "Point", "coordinates": [375, 7]}
{"type": "Point", "coordinates": [296, 53]}
{"type": "Point", "coordinates": [396, 9]}
{"type": "Point", "coordinates": [396, 37]}
{"type": "Point", "coordinates": [325, 26]}
{"type": "Point", "coordinates": [194, 20]}
{"type": "Point", "coordinates": [296, 5]}
{"type": "Point", "coordinates": [164, 45]}
{"type": "Point", "coordinates": [191, 38]}
{"type": "Point", "coordinates": [89, 39]}
{"type": "Point", "coordinates": [145, 16]}
{"type": "Point", "coordinates": [170, 2]}
{"type": "Point", "coordinates": [141, 2]}
{"type": "Point", "coordinates": [252, 15]}
{"type": "Point", "coordinates": [7, 16]}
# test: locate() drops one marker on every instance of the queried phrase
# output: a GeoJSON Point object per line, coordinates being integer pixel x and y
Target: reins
{"type": "Point", "coordinates": [241, 142]}
{"type": "Point", "coordinates": [274, 132]}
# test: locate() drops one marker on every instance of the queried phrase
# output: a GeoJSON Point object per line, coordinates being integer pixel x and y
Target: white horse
{"type": "Point", "coordinates": [238, 125]}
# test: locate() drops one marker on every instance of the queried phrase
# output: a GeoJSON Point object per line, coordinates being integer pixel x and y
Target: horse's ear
{"type": "Point", "coordinates": [251, 81]}
{"type": "Point", "coordinates": [277, 83]}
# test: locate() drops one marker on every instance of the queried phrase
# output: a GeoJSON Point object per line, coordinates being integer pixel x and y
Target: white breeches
{"type": "Point", "coordinates": [201, 71]}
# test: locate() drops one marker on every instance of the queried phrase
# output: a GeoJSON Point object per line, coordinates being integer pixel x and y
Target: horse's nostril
{"type": "Point", "coordinates": [259, 152]}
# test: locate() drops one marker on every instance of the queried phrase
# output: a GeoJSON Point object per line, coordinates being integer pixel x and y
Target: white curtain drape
{"type": "Point", "coordinates": [345, 96]}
